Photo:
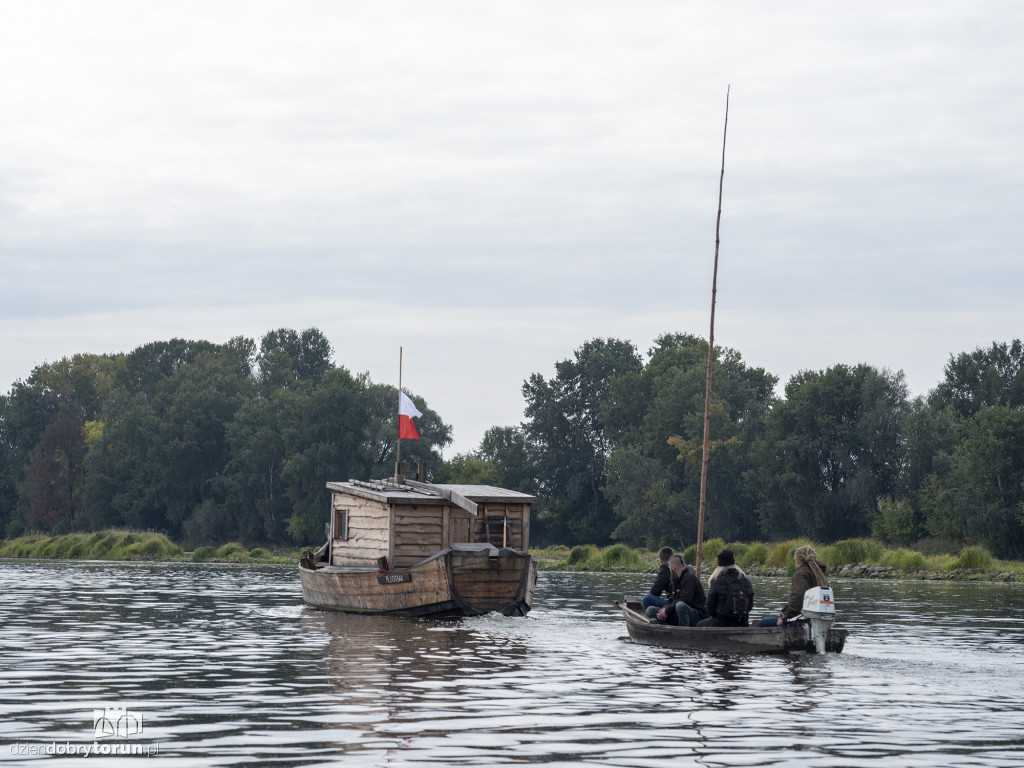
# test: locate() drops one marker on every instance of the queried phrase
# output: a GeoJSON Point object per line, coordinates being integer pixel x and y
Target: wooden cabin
{"type": "Point", "coordinates": [410, 522]}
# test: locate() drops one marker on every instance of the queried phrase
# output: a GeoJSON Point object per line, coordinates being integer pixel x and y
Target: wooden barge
{"type": "Point", "coordinates": [417, 549]}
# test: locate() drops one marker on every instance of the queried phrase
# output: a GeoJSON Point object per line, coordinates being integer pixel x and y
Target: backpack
{"type": "Point", "coordinates": [734, 604]}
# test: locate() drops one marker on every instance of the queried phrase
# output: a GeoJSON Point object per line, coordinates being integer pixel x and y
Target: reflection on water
{"type": "Point", "coordinates": [229, 668]}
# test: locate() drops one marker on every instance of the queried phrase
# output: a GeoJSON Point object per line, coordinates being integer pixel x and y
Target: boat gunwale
{"type": "Point", "coordinates": [786, 639]}
{"type": "Point", "coordinates": [453, 603]}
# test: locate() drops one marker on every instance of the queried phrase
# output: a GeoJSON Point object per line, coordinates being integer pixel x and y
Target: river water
{"type": "Point", "coordinates": [223, 665]}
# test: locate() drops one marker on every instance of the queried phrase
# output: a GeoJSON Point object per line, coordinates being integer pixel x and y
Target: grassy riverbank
{"type": "Point", "coordinates": [134, 545]}
{"type": "Point", "coordinates": [852, 557]}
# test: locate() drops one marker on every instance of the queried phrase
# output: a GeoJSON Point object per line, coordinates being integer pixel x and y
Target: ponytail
{"type": "Point", "coordinates": [809, 556]}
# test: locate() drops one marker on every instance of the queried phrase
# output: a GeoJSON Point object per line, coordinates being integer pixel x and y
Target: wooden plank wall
{"type": "Point", "coordinates": [367, 532]}
{"type": "Point", "coordinates": [419, 533]}
{"type": "Point", "coordinates": [407, 534]}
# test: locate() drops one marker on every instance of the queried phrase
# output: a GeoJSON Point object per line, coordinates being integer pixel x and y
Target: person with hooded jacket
{"type": "Point", "coordinates": [808, 574]}
{"type": "Point", "coordinates": [717, 606]}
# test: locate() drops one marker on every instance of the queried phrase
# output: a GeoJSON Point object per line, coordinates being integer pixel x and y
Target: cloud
{"type": "Point", "coordinates": [495, 184]}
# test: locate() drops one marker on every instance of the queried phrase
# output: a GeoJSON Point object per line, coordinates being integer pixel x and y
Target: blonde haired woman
{"type": "Point", "coordinates": [808, 574]}
{"type": "Point", "coordinates": [730, 594]}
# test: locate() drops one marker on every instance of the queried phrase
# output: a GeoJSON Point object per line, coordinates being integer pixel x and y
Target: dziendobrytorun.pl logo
{"type": "Point", "coordinates": [116, 726]}
{"type": "Point", "coordinates": [116, 721]}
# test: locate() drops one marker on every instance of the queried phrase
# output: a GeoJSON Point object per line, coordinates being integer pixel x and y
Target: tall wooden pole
{"type": "Point", "coordinates": [711, 357]}
{"type": "Point", "coordinates": [399, 469]}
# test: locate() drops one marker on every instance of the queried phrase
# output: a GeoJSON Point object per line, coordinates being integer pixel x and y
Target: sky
{"type": "Point", "coordinates": [488, 185]}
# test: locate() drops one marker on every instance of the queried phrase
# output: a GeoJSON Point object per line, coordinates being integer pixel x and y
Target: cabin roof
{"type": "Point", "coordinates": [388, 492]}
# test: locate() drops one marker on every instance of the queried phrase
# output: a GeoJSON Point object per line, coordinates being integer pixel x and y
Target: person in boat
{"type": "Point", "coordinates": [661, 579]}
{"type": "Point", "coordinates": [730, 594]}
{"type": "Point", "coordinates": [808, 574]}
{"type": "Point", "coordinates": [686, 598]}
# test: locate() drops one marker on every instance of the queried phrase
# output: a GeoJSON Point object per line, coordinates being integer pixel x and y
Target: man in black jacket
{"type": "Point", "coordinates": [661, 580]}
{"type": "Point", "coordinates": [685, 606]}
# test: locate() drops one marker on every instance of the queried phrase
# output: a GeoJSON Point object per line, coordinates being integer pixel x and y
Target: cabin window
{"type": "Point", "coordinates": [341, 524]}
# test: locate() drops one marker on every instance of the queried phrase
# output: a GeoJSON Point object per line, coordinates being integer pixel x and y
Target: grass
{"type": "Point", "coordinates": [774, 557]}
{"type": "Point", "coordinates": [753, 554]}
{"type": "Point", "coordinates": [132, 545]}
{"type": "Point", "coordinates": [102, 545]}
{"type": "Point", "coordinates": [587, 557]}
{"type": "Point", "coordinates": [758, 556]}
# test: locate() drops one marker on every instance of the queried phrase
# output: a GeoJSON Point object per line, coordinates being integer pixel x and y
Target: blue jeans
{"type": "Point", "coordinates": [771, 621]}
{"type": "Point", "coordinates": [686, 616]}
{"type": "Point", "coordinates": [649, 600]}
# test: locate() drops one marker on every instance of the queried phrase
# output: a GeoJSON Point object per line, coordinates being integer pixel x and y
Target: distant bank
{"type": "Point", "coordinates": [133, 545]}
{"type": "Point", "coordinates": [853, 558]}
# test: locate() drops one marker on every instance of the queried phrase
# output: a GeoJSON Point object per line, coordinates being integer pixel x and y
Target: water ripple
{"type": "Point", "coordinates": [229, 668]}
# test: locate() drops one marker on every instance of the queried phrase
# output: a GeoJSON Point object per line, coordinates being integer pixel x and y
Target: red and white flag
{"type": "Point", "coordinates": [407, 411]}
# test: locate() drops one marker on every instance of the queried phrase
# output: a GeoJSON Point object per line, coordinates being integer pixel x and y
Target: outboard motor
{"type": "Point", "coordinates": [820, 610]}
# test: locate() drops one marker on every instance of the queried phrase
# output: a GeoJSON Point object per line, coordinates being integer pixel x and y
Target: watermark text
{"type": "Point", "coordinates": [85, 750]}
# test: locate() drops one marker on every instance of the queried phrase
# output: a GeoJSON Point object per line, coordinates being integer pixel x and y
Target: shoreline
{"type": "Point", "coordinates": [853, 558]}
{"type": "Point", "coordinates": [853, 571]}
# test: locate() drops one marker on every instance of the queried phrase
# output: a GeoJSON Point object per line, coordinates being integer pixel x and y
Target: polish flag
{"type": "Point", "coordinates": [407, 411]}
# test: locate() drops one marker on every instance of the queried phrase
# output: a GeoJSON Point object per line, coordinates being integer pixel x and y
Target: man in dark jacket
{"type": "Point", "coordinates": [728, 610]}
{"type": "Point", "coordinates": [685, 606]}
{"type": "Point", "coordinates": [661, 580]}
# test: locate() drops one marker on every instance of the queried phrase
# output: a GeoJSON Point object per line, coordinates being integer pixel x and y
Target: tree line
{"type": "Point", "coordinates": [612, 446]}
{"type": "Point", "coordinates": [214, 442]}
{"type": "Point", "coordinates": [204, 442]}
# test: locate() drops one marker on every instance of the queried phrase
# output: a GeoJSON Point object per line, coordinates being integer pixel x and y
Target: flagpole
{"type": "Point", "coordinates": [399, 469]}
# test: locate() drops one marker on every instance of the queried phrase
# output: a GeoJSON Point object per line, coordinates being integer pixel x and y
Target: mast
{"type": "Point", "coordinates": [711, 357]}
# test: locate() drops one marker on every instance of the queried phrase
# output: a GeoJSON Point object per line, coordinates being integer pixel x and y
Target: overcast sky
{"type": "Point", "coordinates": [490, 184]}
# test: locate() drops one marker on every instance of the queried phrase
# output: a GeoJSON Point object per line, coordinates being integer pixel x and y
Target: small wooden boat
{"type": "Point", "coordinates": [813, 631]}
{"type": "Point", "coordinates": [417, 549]}
{"type": "Point", "coordinates": [792, 637]}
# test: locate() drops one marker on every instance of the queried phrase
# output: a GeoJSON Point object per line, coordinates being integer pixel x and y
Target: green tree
{"type": "Point", "coordinates": [147, 366]}
{"type": "Point", "coordinates": [71, 389]}
{"type": "Point", "coordinates": [8, 474]}
{"type": "Point", "coordinates": [642, 489]}
{"type": "Point", "coordinates": [324, 442]}
{"type": "Point", "coordinates": [467, 469]}
{"type": "Point", "coordinates": [347, 427]}
{"type": "Point", "coordinates": [963, 471]}
{"type": "Point", "coordinates": [287, 356]}
{"type": "Point", "coordinates": [162, 449]}
{"type": "Point", "coordinates": [256, 504]}
{"type": "Point", "coordinates": [830, 451]}
{"type": "Point", "coordinates": [380, 435]}
{"type": "Point", "coordinates": [896, 522]}
{"type": "Point", "coordinates": [512, 455]}
{"type": "Point", "coordinates": [988, 478]}
{"type": "Point", "coordinates": [984, 377]}
{"type": "Point", "coordinates": [54, 476]}
{"type": "Point", "coordinates": [119, 487]}
{"type": "Point", "coordinates": [193, 408]}
{"type": "Point", "coordinates": [565, 427]}
{"type": "Point", "coordinates": [655, 416]}
{"type": "Point", "coordinates": [932, 431]}
{"type": "Point", "coordinates": [25, 413]}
